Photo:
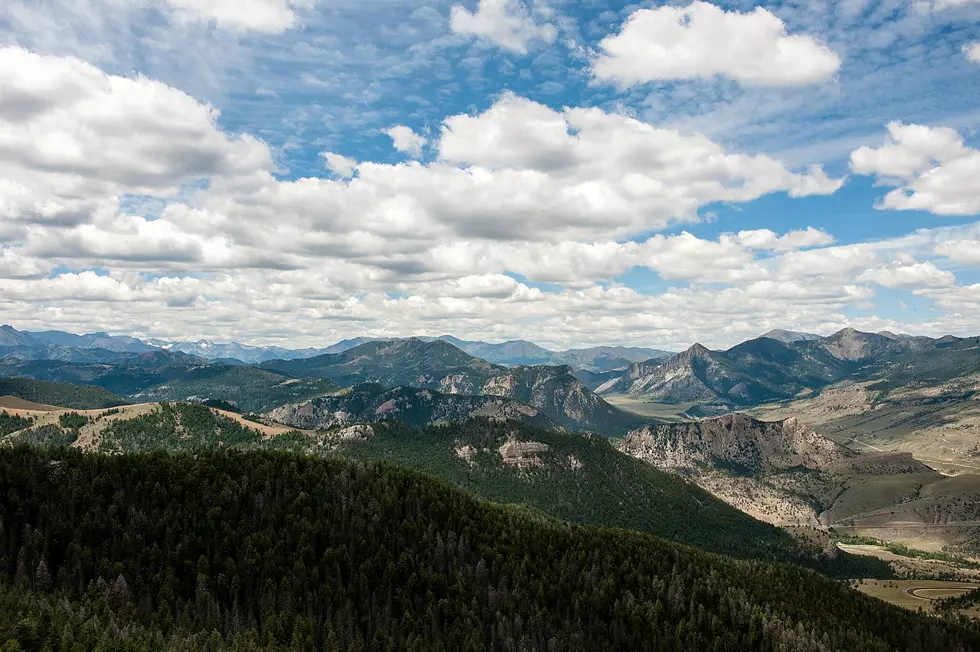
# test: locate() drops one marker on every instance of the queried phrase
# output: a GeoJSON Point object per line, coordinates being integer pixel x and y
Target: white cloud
{"type": "Point", "coordinates": [766, 239]}
{"type": "Point", "coordinates": [703, 40]}
{"type": "Point", "coordinates": [682, 256]}
{"type": "Point", "coordinates": [406, 141]}
{"type": "Point", "coordinates": [553, 196]}
{"type": "Point", "coordinates": [342, 166]}
{"type": "Point", "coordinates": [965, 251]}
{"type": "Point", "coordinates": [931, 166]}
{"type": "Point", "coordinates": [901, 275]}
{"type": "Point", "coordinates": [972, 51]}
{"type": "Point", "coordinates": [835, 262]}
{"type": "Point", "coordinates": [939, 5]}
{"type": "Point", "coordinates": [72, 136]}
{"type": "Point", "coordinates": [506, 23]}
{"type": "Point", "coordinates": [273, 16]}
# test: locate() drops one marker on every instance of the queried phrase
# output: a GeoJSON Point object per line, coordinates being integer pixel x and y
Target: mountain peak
{"type": "Point", "coordinates": [788, 337]}
{"type": "Point", "coordinates": [698, 351]}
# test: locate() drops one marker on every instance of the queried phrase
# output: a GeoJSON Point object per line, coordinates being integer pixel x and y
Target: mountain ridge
{"type": "Point", "coordinates": [438, 365]}
{"type": "Point", "coordinates": [767, 369]}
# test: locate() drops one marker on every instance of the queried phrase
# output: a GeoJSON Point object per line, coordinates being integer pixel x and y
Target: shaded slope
{"type": "Point", "coordinates": [330, 555]}
{"type": "Point", "coordinates": [580, 479]}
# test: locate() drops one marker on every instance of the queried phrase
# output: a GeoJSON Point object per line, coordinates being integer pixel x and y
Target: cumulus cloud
{"type": "Point", "coordinates": [677, 257]}
{"type": "Point", "coordinates": [703, 40]}
{"type": "Point", "coordinates": [903, 275]}
{"type": "Point", "coordinates": [931, 166]}
{"type": "Point", "coordinates": [972, 51]}
{"type": "Point", "coordinates": [71, 134]}
{"type": "Point", "coordinates": [517, 195]}
{"type": "Point", "coordinates": [406, 141]}
{"type": "Point", "coordinates": [965, 251]}
{"type": "Point", "coordinates": [274, 16]}
{"type": "Point", "coordinates": [342, 166]}
{"type": "Point", "coordinates": [505, 23]}
{"type": "Point", "coordinates": [767, 239]}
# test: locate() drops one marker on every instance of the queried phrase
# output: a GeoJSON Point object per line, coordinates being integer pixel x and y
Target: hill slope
{"type": "Point", "coordinates": [441, 366]}
{"type": "Point", "coordinates": [249, 389]}
{"type": "Point", "coordinates": [269, 552]}
{"type": "Point", "coordinates": [410, 405]}
{"type": "Point", "coordinates": [580, 479]}
{"type": "Point", "coordinates": [785, 473]}
{"type": "Point", "coordinates": [77, 397]}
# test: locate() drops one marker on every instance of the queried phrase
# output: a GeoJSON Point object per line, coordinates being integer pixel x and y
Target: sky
{"type": "Point", "coordinates": [297, 172]}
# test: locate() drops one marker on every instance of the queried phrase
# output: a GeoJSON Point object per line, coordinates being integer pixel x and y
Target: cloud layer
{"type": "Point", "coordinates": [307, 210]}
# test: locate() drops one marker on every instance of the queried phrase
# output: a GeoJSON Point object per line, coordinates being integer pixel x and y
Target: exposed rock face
{"type": "Point", "coordinates": [522, 454]}
{"type": "Point", "coordinates": [763, 468]}
{"type": "Point", "coordinates": [359, 432]}
{"type": "Point", "coordinates": [685, 377]}
{"type": "Point", "coordinates": [466, 453]}
{"type": "Point", "coordinates": [556, 392]}
{"type": "Point", "coordinates": [736, 442]}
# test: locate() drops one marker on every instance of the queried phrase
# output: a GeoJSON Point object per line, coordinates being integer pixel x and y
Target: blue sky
{"type": "Point", "coordinates": [566, 172]}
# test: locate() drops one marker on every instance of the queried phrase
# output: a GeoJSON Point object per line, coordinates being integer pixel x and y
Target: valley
{"type": "Point", "coordinates": [820, 441]}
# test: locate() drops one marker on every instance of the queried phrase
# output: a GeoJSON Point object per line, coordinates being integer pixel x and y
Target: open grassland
{"type": "Point", "coordinates": [98, 420]}
{"type": "Point", "coordinates": [911, 566]}
{"type": "Point", "coordinates": [665, 411]}
{"type": "Point", "coordinates": [917, 594]}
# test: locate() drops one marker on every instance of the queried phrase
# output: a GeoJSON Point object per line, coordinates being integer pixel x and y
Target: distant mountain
{"type": "Point", "coordinates": [346, 345]}
{"type": "Point", "coordinates": [523, 353]}
{"type": "Point", "coordinates": [243, 352]}
{"type": "Point", "coordinates": [128, 374]}
{"type": "Point", "coordinates": [441, 366]}
{"type": "Point", "coordinates": [768, 369]}
{"type": "Point", "coordinates": [115, 343]}
{"type": "Point", "coordinates": [10, 336]}
{"type": "Point", "coordinates": [47, 345]}
{"type": "Point", "coordinates": [787, 337]}
{"type": "Point", "coordinates": [61, 353]}
{"type": "Point", "coordinates": [410, 405]}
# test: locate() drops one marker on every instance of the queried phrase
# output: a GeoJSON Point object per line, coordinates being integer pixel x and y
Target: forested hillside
{"type": "Point", "coordinates": [248, 388]}
{"type": "Point", "coordinates": [76, 397]}
{"type": "Point", "coordinates": [581, 479]}
{"type": "Point", "coordinates": [260, 551]}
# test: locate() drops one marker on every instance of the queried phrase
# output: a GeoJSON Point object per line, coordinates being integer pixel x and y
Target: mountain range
{"type": "Point", "coordinates": [44, 345]}
{"type": "Point", "coordinates": [769, 369]}
{"type": "Point", "coordinates": [165, 375]}
{"type": "Point", "coordinates": [441, 366]}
